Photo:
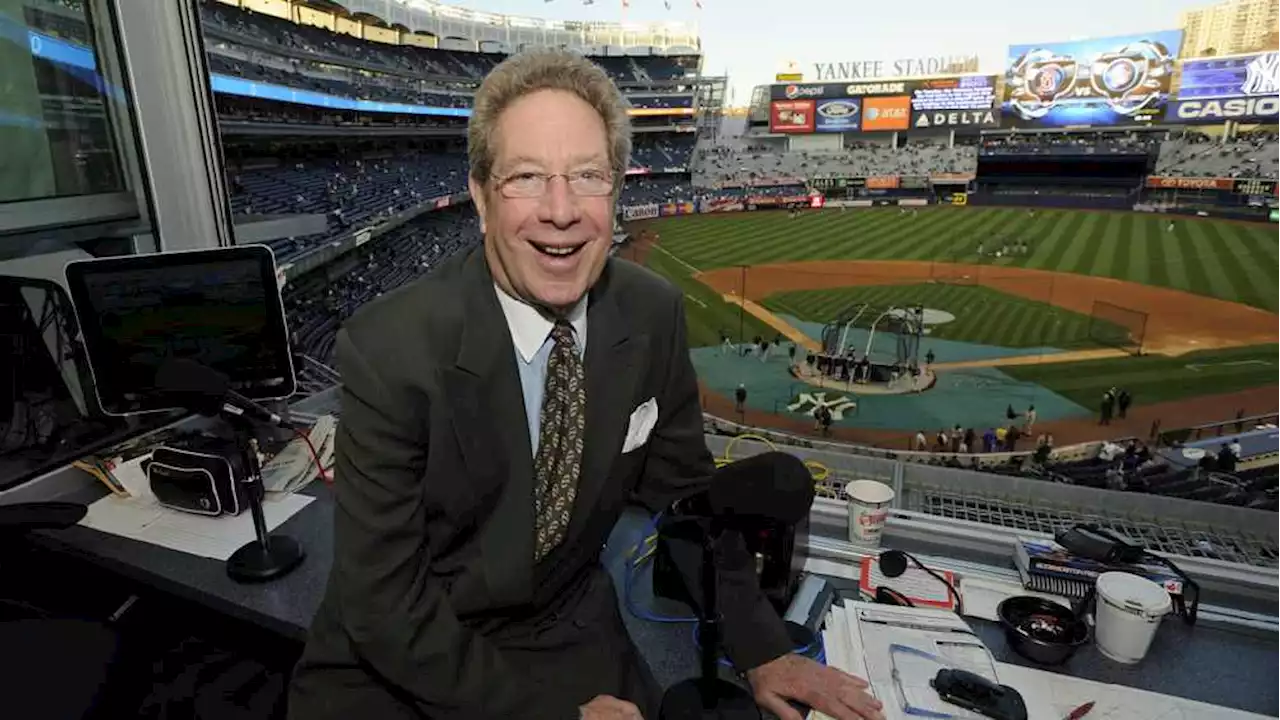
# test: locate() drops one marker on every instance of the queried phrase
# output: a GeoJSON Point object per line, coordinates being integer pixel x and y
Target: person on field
{"type": "Point", "coordinates": [740, 398]}
{"type": "Point", "coordinates": [1108, 406]}
{"type": "Point", "coordinates": [1123, 401]}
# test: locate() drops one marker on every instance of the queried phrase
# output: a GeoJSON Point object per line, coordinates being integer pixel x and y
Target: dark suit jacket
{"type": "Point", "coordinates": [435, 607]}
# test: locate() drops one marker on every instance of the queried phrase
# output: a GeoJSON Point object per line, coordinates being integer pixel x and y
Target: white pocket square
{"type": "Point", "coordinates": [641, 423]}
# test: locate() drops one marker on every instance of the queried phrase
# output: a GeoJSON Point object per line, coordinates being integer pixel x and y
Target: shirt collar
{"type": "Point", "coordinates": [530, 328]}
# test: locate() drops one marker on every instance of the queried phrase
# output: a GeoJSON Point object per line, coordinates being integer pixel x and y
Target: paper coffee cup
{"type": "Point", "coordinates": [1130, 609]}
{"type": "Point", "coordinates": [868, 509]}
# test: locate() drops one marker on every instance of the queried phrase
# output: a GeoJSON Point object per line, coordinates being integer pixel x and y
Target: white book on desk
{"type": "Point", "coordinates": [1048, 695]}
{"type": "Point", "coordinates": [145, 520]}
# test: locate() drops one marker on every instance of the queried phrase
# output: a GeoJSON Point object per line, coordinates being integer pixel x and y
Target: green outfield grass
{"type": "Point", "coordinates": [707, 313]}
{"type": "Point", "coordinates": [1232, 261]}
{"type": "Point", "coordinates": [1156, 378]}
{"type": "Point", "coordinates": [983, 315]}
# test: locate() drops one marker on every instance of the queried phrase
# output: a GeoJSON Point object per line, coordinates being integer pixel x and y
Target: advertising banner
{"type": "Point", "coordinates": [719, 205]}
{"type": "Point", "coordinates": [887, 182]}
{"type": "Point", "coordinates": [960, 199]}
{"type": "Point", "coordinates": [839, 115]}
{"type": "Point", "coordinates": [913, 182]}
{"type": "Point", "coordinates": [1190, 183]}
{"type": "Point", "coordinates": [791, 116]}
{"type": "Point", "coordinates": [1233, 87]}
{"type": "Point", "coordinates": [824, 184]}
{"type": "Point", "coordinates": [639, 212]}
{"type": "Point", "coordinates": [887, 113]}
{"type": "Point", "coordinates": [675, 208]}
{"type": "Point", "coordinates": [950, 178]}
{"type": "Point", "coordinates": [815, 91]}
{"type": "Point", "coordinates": [775, 201]}
{"type": "Point", "coordinates": [955, 119]}
{"type": "Point", "coordinates": [1101, 81]}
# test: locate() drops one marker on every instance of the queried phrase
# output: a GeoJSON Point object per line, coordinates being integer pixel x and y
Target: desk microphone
{"type": "Point", "coordinates": [209, 392]}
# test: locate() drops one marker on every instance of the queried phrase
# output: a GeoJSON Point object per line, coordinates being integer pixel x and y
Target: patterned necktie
{"type": "Point", "coordinates": [559, 457]}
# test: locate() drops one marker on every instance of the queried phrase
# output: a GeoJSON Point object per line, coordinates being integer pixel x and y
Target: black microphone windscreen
{"type": "Point", "coordinates": [188, 377]}
{"type": "Point", "coordinates": [773, 485]}
{"type": "Point", "coordinates": [893, 563]}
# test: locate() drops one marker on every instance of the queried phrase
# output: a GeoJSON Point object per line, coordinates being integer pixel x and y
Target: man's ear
{"type": "Point", "coordinates": [478, 198]}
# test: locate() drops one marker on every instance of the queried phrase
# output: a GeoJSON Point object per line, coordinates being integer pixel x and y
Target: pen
{"type": "Point", "coordinates": [1079, 712]}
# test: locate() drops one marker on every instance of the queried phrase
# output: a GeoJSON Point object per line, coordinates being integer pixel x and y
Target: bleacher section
{"type": "Point", "coordinates": [417, 62]}
{"type": "Point", "coordinates": [352, 193]}
{"type": "Point", "coordinates": [317, 305]}
{"type": "Point", "coordinates": [734, 163]}
{"type": "Point", "coordinates": [1250, 155]}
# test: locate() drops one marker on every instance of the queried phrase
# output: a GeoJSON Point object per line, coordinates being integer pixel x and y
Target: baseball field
{"type": "Point", "coordinates": [1198, 300]}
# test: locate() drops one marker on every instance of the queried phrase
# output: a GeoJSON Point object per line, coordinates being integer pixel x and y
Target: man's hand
{"type": "Point", "coordinates": [608, 707]}
{"type": "Point", "coordinates": [825, 689]}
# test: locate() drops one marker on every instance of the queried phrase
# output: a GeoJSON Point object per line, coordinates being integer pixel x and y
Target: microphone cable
{"type": "Point", "coordinates": [324, 474]}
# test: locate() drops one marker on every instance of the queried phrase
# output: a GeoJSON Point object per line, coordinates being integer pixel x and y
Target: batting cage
{"type": "Point", "coordinates": [1117, 326]}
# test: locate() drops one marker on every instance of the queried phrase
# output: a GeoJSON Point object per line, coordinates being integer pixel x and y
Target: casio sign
{"type": "Point", "coordinates": [837, 109]}
{"type": "Point", "coordinates": [1238, 107]}
{"type": "Point", "coordinates": [800, 91]}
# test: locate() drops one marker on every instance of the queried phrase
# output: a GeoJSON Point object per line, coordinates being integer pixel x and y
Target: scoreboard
{"type": "Point", "coordinates": [959, 101]}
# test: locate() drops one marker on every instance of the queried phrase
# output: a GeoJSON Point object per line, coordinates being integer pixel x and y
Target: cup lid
{"type": "Point", "coordinates": [1129, 590]}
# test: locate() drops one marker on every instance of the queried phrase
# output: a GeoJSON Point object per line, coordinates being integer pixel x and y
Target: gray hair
{"type": "Point", "coordinates": [545, 69]}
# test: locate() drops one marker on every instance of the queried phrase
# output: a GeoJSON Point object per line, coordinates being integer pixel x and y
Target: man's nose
{"type": "Point", "coordinates": [559, 205]}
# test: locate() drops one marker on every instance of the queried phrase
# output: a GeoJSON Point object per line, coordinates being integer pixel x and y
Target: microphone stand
{"type": "Point", "coordinates": [267, 557]}
{"type": "Point", "coordinates": [708, 697]}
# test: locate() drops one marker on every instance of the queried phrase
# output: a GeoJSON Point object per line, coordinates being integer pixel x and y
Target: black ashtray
{"type": "Point", "coordinates": [1040, 630]}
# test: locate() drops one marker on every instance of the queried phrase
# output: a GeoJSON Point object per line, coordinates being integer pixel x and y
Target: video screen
{"type": "Point", "coordinates": [1101, 81]}
{"type": "Point", "coordinates": [223, 312]}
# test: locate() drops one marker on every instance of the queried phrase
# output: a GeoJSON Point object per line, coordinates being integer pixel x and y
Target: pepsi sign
{"type": "Point", "coordinates": [793, 92]}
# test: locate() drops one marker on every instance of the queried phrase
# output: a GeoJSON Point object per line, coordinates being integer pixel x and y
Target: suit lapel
{"type": "Point", "coordinates": [487, 406]}
{"type": "Point", "coordinates": [613, 355]}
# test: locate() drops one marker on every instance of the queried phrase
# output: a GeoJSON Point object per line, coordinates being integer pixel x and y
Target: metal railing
{"type": "Point", "coordinates": [1175, 526]}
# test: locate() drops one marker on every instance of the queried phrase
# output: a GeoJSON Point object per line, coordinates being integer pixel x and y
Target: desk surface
{"type": "Point", "coordinates": [1202, 663]}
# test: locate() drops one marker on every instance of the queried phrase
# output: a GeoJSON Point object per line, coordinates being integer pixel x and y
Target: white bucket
{"type": "Point", "coordinates": [1130, 609]}
{"type": "Point", "coordinates": [868, 509]}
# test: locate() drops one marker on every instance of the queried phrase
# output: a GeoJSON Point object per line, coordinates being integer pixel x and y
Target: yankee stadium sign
{"type": "Point", "coordinates": [902, 67]}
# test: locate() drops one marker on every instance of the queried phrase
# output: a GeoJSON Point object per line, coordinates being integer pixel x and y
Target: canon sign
{"type": "Point", "coordinates": [803, 91]}
{"type": "Point", "coordinates": [1233, 108]}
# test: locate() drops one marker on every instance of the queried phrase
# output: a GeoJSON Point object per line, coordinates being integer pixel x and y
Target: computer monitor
{"type": "Point", "coordinates": [219, 307]}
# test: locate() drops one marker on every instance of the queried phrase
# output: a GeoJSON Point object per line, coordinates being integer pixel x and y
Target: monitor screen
{"type": "Point", "coordinates": [219, 307]}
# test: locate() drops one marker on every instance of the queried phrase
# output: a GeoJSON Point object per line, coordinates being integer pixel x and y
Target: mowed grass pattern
{"type": "Point", "coordinates": [1238, 262]}
{"type": "Point", "coordinates": [1157, 378]}
{"type": "Point", "coordinates": [706, 313]}
{"type": "Point", "coordinates": [983, 315]}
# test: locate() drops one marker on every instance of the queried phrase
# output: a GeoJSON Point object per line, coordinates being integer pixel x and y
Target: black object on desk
{"type": "Point", "coordinates": [203, 331]}
{"type": "Point", "coordinates": [205, 390]}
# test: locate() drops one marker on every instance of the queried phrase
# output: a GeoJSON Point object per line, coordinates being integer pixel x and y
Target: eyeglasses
{"type": "Point", "coordinates": [583, 183]}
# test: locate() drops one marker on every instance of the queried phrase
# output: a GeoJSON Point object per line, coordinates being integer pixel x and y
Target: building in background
{"type": "Point", "coordinates": [1234, 26]}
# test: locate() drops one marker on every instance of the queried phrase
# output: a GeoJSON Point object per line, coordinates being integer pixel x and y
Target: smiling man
{"type": "Point", "coordinates": [496, 417]}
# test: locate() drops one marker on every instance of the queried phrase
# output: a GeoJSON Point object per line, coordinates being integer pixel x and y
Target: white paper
{"type": "Point", "coordinates": [1048, 695]}
{"type": "Point", "coordinates": [212, 537]}
{"type": "Point", "coordinates": [130, 475]}
{"type": "Point", "coordinates": [982, 597]}
{"type": "Point", "coordinates": [294, 467]}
